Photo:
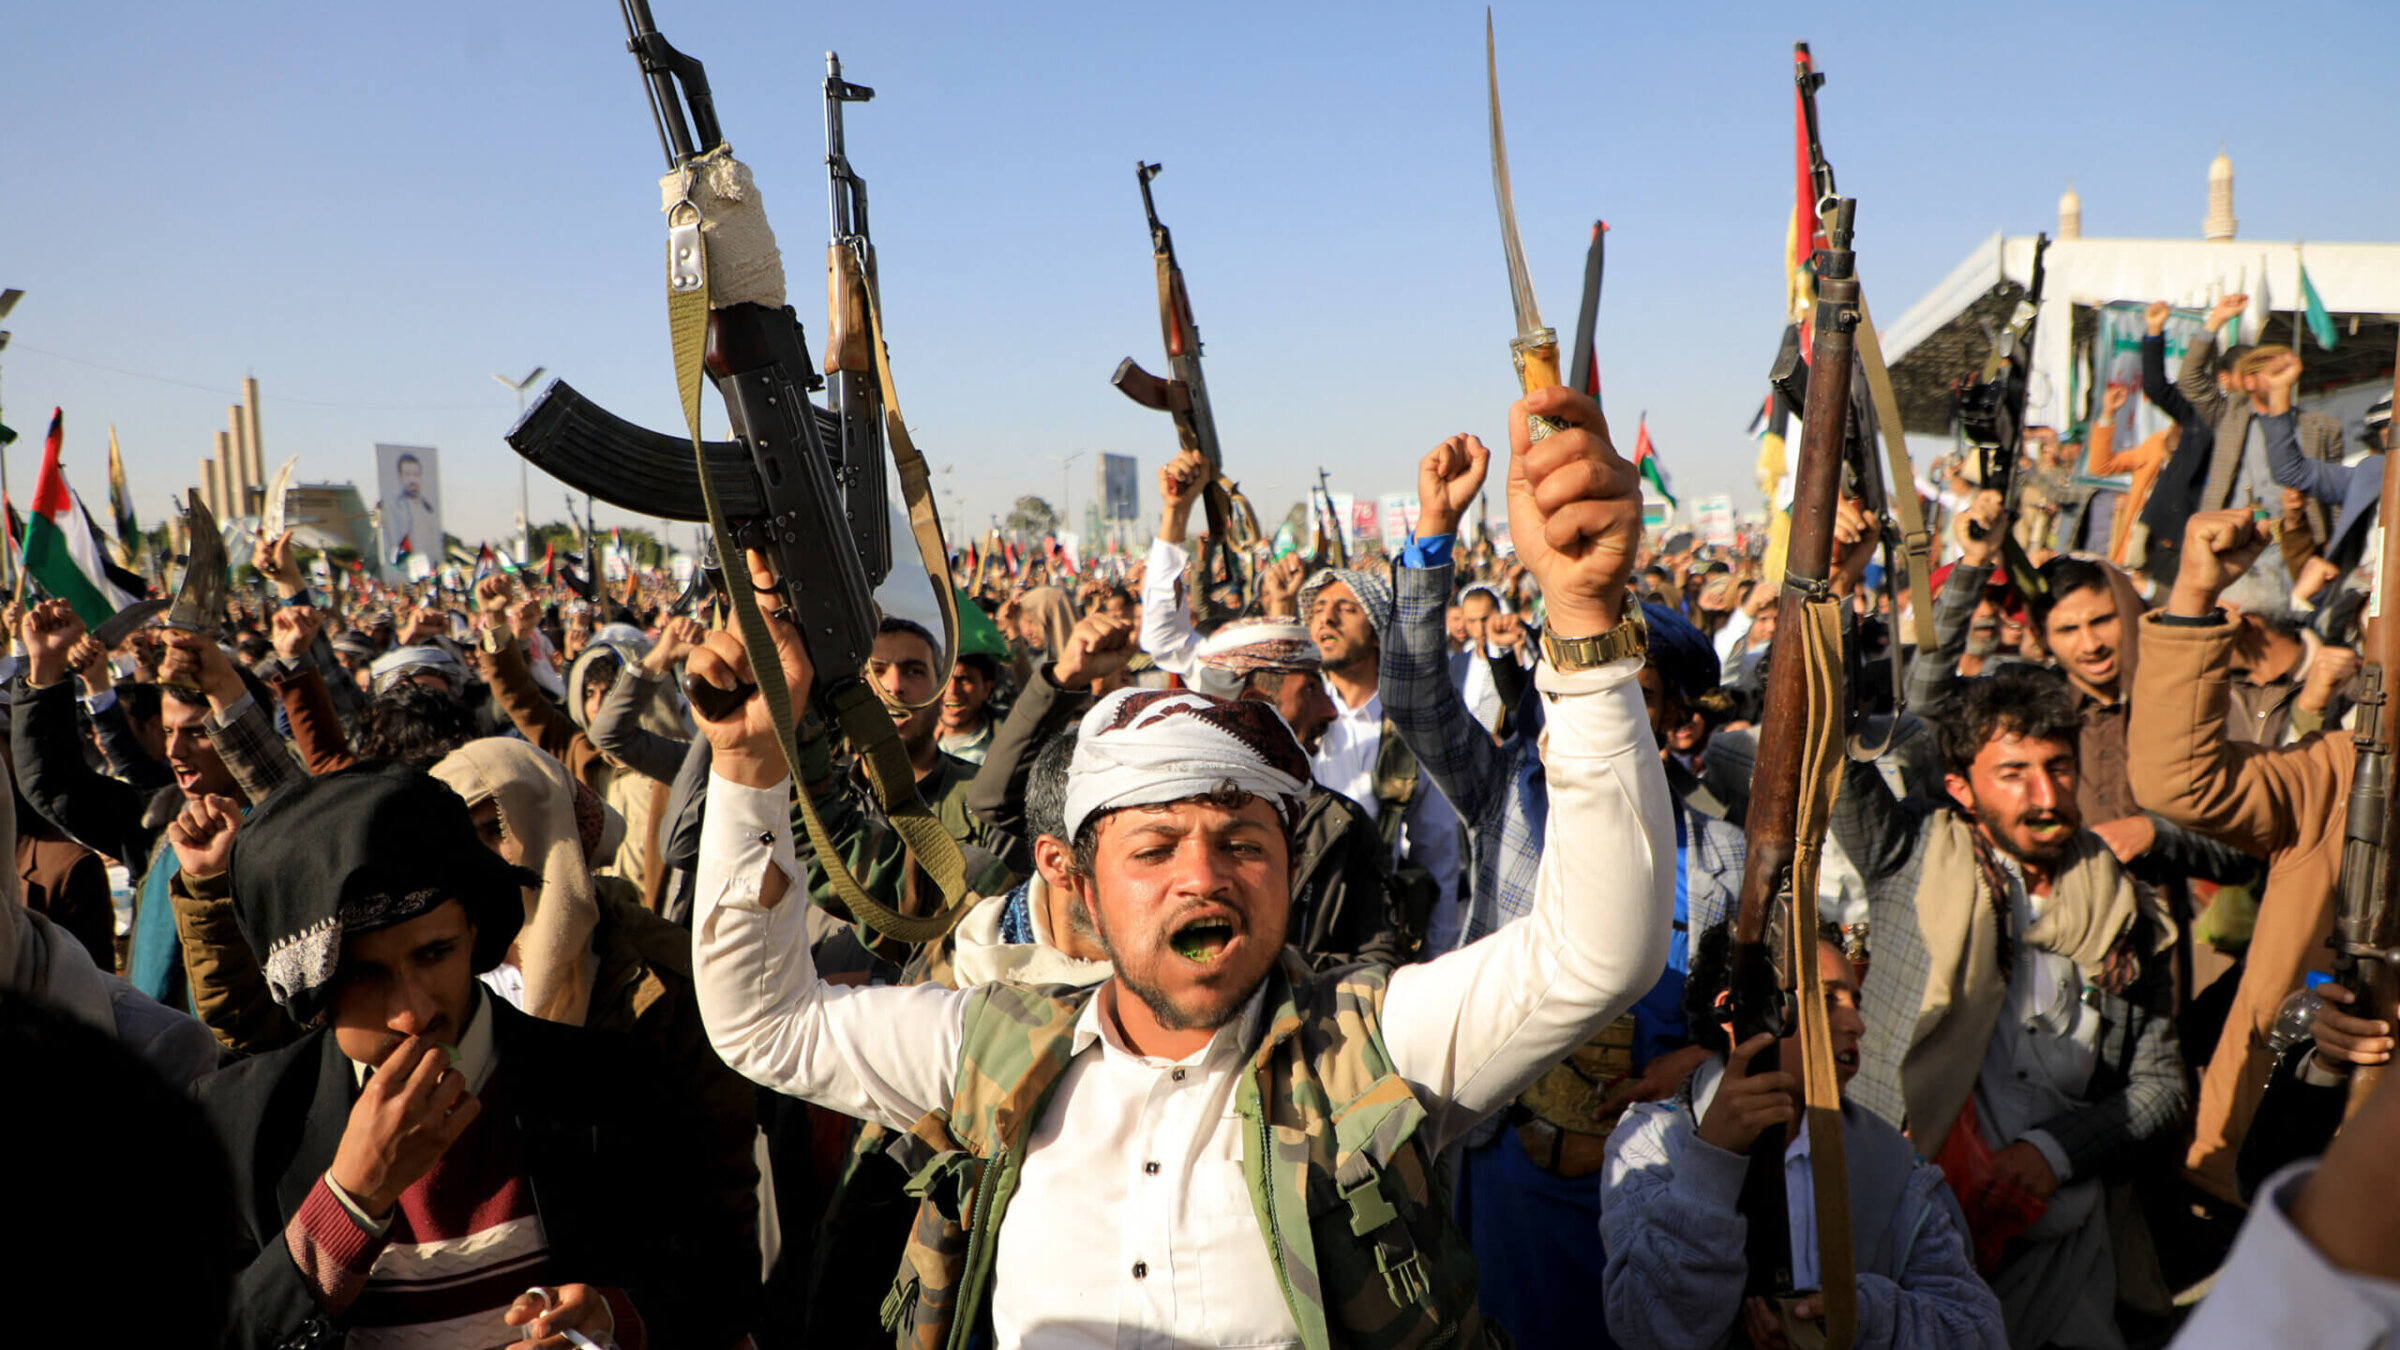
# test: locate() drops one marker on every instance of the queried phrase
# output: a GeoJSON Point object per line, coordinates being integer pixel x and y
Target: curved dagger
{"type": "Point", "coordinates": [1535, 349]}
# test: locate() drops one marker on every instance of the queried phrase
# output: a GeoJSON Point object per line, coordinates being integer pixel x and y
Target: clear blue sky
{"type": "Point", "coordinates": [373, 207]}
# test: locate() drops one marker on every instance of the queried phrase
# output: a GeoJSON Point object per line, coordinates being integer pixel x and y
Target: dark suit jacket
{"type": "Point", "coordinates": [610, 1153]}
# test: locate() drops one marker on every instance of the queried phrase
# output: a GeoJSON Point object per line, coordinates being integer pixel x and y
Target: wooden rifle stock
{"type": "Point", "coordinates": [847, 349]}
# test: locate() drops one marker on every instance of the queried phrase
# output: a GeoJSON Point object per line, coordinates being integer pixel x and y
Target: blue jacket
{"type": "Point", "coordinates": [1675, 1239]}
{"type": "Point", "coordinates": [2351, 492]}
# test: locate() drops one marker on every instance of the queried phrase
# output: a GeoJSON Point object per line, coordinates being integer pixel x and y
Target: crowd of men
{"type": "Point", "coordinates": [1354, 970]}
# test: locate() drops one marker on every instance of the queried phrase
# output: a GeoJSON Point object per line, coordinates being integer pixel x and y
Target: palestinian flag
{"type": "Point", "coordinates": [1645, 459]}
{"type": "Point", "coordinates": [63, 551]}
{"type": "Point", "coordinates": [400, 554]}
{"type": "Point", "coordinates": [484, 563]}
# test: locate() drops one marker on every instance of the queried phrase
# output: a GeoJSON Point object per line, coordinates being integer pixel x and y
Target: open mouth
{"type": "Point", "coordinates": [1847, 1059]}
{"type": "Point", "coordinates": [1203, 941]}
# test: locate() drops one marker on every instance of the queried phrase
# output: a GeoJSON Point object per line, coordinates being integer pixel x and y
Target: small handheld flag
{"type": "Point", "coordinates": [1645, 459]}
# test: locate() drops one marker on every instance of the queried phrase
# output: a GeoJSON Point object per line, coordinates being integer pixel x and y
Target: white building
{"type": "Point", "coordinates": [1945, 336]}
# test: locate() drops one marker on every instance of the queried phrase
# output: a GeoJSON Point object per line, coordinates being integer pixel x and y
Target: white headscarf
{"type": "Point", "coordinates": [1146, 747]}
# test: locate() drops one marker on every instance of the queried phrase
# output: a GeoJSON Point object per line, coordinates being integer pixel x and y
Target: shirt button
{"type": "Point", "coordinates": [1150, 1169]}
{"type": "Point", "coordinates": [1141, 1270]}
{"type": "Point", "coordinates": [1179, 1075]}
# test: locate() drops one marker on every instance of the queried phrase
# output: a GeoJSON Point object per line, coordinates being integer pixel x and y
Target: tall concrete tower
{"type": "Point", "coordinates": [256, 467]}
{"type": "Point", "coordinates": [2218, 228]}
{"type": "Point", "coordinates": [2070, 213]}
{"type": "Point", "coordinates": [237, 463]}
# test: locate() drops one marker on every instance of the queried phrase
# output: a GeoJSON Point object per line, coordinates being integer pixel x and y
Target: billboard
{"type": "Point", "coordinates": [1363, 518]}
{"type": "Point", "coordinates": [408, 487]}
{"type": "Point", "coordinates": [1399, 520]}
{"type": "Point", "coordinates": [1712, 520]}
{"type": "Point", "coordinates": [1120, 489]}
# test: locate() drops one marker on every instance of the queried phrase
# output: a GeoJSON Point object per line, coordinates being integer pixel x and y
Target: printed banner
{"type": "Point", "coordinates": [408, 486]}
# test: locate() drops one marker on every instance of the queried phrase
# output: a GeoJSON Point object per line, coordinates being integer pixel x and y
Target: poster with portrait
{"type": "Point", "coordinates": [408, 487]}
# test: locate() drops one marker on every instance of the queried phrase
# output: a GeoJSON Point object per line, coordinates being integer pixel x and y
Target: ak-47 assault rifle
{"type": "Point", "coordinates": [1991, 417]}
{"type": "Point", "coordinates": [849, 344]}
{"type": "Point", "coordinates": [777, 480]}
{"type": "Point", "coordinates": [796, 486]}
{"type": "Point", "coordinates": [1232, 525]}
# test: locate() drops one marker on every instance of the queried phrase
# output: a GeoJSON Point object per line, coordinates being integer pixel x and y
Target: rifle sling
{"type": "Point", "coordinates": [1821, 759]}
{"type": "Point", "coordinates": [858, 709]}
{"type": "Point", "coordinates": [1915, 539]}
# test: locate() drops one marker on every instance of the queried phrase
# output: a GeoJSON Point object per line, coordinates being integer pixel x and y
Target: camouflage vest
{"type": "Point", "coordinates": [1354, 1213]}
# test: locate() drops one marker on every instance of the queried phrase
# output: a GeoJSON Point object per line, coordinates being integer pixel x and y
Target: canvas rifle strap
{"type": "Point", "coordinates": [1915, 539]}
{"type": "Point", "coordinates": [858, 707]}
{"type": "Point", "coordinates": [1821, 759]}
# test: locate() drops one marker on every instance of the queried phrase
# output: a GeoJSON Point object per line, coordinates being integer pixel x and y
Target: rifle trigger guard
{"type": "Point", "coordinates": [684, 267]}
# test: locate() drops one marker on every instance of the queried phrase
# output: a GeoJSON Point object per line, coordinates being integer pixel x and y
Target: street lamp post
{"type": "Point", "coordinates": [1066, 489]}
{"type": "Point", "coordinates": [524, 476]}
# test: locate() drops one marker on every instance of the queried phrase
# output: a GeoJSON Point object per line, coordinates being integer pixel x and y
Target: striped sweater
{"type": "Point", "coordinates": [458, 1248]}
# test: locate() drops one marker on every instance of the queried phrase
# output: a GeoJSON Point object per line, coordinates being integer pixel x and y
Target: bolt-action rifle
{"type": "Point", "coordinates": [1232, 525]}
{"type": "Point", "coordinates": [1774, 983]}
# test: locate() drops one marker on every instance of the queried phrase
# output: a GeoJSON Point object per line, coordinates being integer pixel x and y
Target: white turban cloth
{"type": "Point", "coordinates": [1147, 747]}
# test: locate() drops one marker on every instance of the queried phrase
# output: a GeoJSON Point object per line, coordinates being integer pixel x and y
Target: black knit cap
{"type": "Point", "coordinates": [351, 852]}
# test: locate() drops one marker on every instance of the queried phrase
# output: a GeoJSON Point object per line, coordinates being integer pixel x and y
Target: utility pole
{"type": "Point", "coordinates": [1066, 489]}
{"type": "Point", "coordinates": [524, 478]}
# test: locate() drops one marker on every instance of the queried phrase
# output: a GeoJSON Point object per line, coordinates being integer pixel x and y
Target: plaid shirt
{"type": "Point", "coordinates": [1498, 790]}
{"type": "Point", "coordinates": [2137, 1092]}
{"type": "Point", "coordinates": [257, 758]}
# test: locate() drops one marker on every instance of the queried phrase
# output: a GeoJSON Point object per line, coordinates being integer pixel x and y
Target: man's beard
{"type": "Point", "coordinates": [2044, 854]}
{"type": "Point", "coordinates": [1170, 1017]}
{"type": "Point", "coordinates": [1173, 1018]}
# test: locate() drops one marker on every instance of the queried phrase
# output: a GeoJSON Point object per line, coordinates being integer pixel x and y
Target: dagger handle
{"type": "Point", "coordinates": [1536, 357]}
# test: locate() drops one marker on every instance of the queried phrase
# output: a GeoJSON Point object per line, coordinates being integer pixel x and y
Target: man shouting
{"type": "Point", "coordinates": [1216, 1146]}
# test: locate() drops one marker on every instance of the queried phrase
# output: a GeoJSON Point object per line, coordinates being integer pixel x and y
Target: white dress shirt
{"type": "Point", "coordinates": [1166, 625]}
{"type": "Point", "coordinates": [1132, 1225]}
{"type": "Point", "coordinates": [1429, 833]}
{"type": "Point", "coordinates": [1165, 629]}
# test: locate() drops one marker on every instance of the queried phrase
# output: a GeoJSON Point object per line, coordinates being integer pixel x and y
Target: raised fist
{"type": "Point", "coordinates": [202, 835]}
{"type": "Point", "coordinates": [1447, 480]}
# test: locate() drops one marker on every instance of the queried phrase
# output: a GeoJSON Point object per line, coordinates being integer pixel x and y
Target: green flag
{"type": "Point", "coordinates": [977, 632]}
{"type": "Point", "coordinates": [2320, 323]}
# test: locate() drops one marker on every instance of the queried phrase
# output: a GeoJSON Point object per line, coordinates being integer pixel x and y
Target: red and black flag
{"type": "Point", "coordinates": [1584, 375]}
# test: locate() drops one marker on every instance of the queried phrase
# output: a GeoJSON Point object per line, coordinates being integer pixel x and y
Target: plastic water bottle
{"type": "Point", "coordinates": [2292, 1024]}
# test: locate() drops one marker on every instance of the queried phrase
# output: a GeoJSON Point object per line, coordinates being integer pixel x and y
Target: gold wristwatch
{"type": "Point", "coordinates": [1631, 637]}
